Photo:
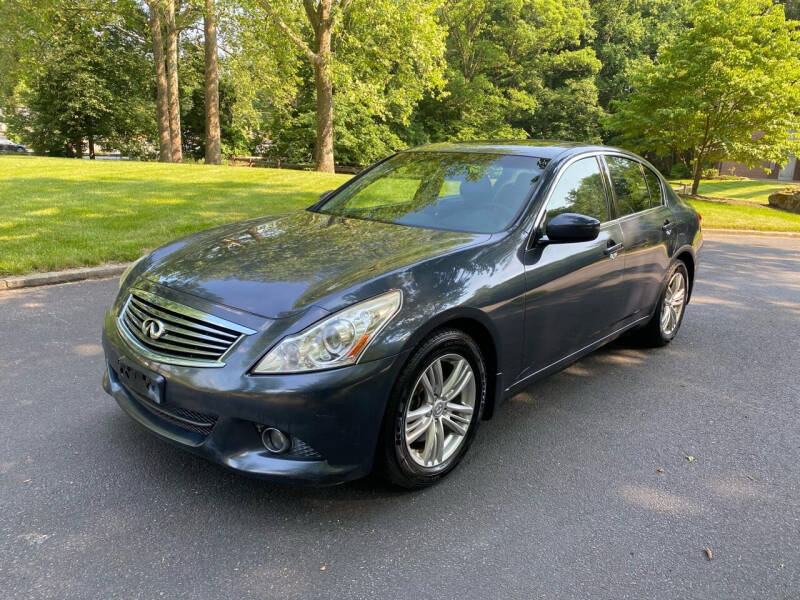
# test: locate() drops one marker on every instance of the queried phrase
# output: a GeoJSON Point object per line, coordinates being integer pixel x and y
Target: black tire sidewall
{"type": "Point", "coordinates": [402, 469]}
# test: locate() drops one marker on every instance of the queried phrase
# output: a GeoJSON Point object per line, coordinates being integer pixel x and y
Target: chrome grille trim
{"type": "Point", "coordinates": [191, 337]}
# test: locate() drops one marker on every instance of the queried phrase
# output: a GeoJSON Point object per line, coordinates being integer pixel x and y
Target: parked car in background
{"type": "Point", "coordinates": [7, 146]}
{"type": "Point", "coordinates": [382, 324]}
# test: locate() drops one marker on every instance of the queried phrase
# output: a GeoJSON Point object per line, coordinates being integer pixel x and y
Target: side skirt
{"type": "Point", "coordinates": [571, 358]}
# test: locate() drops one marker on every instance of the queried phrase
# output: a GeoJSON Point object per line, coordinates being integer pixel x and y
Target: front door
{"type": "Point", "coordinates": [573, 295]}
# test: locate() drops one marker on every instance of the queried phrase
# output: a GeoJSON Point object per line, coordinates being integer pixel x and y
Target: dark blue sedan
{"type": "Point", "coordinates": [379, 327]}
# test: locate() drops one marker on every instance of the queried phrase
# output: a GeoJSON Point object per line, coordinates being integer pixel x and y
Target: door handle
{"type": "Point", "coordinates": [612, 249]}
{"type": "Point", "coordinates": [667, 227]}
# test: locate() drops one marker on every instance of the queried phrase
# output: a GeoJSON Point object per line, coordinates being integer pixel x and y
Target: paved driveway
{"type": "Point", "coordinates": [560, 496]}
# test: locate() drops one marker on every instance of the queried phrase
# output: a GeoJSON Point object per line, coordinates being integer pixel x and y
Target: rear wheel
{"type": "Point", "coordinates": [668, 316]}
{"type": "Point", "coordinates": [434, 410]}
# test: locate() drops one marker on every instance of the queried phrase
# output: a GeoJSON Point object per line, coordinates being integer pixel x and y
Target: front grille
{"type": "Point", "coordinates": [173, 333]}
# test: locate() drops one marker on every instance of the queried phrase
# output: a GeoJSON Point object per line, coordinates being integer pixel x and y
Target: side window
{"type": "Point", "coordinates": [579, 190]}
{"type": "Point", "coordinates": [654, 185]}
{"type": "Point", "coordinates": [630, 187]}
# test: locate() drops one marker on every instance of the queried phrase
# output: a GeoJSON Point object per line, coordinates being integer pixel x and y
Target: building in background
{"type": "Point", "coordinates": [768, 170]}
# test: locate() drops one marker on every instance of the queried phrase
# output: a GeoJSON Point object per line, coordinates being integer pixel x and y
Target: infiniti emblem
{"type": "Point", "coordinates": [153, 328]}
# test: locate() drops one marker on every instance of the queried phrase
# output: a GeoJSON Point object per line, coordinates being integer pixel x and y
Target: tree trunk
{"type": "Point", "coordinates": [172, 84]}
{"type": "Point", "coordinates": [698, 170]}
{"type": "Point", "coordinates": [323, 148]}
{"type": "Point", "coordinates": [91, 144]}
{"type": "Point", "coordinates": [213, 155]}
{"type": "Point", "coordinates": [162, 104]}
{"type": "Point", "coordinates": [76, 148]}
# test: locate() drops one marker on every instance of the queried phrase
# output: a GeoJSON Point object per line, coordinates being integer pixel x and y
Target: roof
{"type": "Point", "coordinates": [535, 148]}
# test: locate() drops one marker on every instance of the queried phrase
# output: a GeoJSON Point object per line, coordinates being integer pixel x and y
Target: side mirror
{"type": "Point", "coordinates": [569, 227]}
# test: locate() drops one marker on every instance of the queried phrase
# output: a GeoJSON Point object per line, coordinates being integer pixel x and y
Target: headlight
{"type": "Point", "coordinates": [127, 271]}
{"type": "Point", "coordinates": [335, 341]}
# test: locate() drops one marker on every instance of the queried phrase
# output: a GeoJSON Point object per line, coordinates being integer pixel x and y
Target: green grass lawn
{"type": "Point", "coordinates": [717, 215]}
{"type": "Point", "coordinates": [61, 213]}
{"type": "Point", "coordinates": [751, 190]}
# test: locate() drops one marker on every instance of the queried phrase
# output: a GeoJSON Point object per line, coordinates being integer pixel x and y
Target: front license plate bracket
{"type": "Point", "coordinates": [149, 385]}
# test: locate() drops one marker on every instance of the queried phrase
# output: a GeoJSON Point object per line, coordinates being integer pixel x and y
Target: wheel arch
{"type": "Point", "coordinates": [479, 327]}
{"type": "Point", "coordinates": [686, 256]}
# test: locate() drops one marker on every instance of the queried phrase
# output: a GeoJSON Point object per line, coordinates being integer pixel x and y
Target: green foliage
{"type": "Point", "coordinates": [193, 105]}
{"type": "Point", "coordinates": [83, 80]}
{"type": "Point", "coordinates": [628, 34]}
{"type": "Point", "coordinates": [679, 171]}
{"type": "Point", "coordinates": [385, 55]}
{"type": "Point", "coordinates": [733, 73]}
{"type": "Point", "coordinates": [407, 72]}
{"type": "Point", "coordinates": [515, 68]}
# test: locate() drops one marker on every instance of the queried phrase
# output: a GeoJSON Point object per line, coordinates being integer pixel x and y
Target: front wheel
{"type": "Point", "coordinates": [434, 410]}
{"type": "Point", "coordinates": [668, 316]}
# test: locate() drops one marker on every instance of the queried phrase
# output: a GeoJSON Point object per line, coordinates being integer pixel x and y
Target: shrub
{"type": "Point", "coordinates": [679, 171]}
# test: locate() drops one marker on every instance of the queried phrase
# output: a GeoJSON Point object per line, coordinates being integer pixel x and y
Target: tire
{"type": "Point", "coordinates": [421, 463]}
{"type": "Point", "coordinates": [655, 334]}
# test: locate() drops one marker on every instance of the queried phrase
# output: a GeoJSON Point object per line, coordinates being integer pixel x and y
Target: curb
{"type": "Point", "coordinates": [37, 279]}
{"type": "Point", "coordinates": [783, 234]}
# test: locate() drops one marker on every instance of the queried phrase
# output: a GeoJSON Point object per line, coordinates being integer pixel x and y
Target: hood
{"type": "Point", "coordinates": [276, 266]}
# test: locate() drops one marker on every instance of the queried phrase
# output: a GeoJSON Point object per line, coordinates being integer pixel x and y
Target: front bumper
{"type": "Point", "coordinates": [333, 416]}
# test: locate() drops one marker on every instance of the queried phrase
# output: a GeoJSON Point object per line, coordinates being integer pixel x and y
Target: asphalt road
{"type": "Point", "coordinates": [559, 497]}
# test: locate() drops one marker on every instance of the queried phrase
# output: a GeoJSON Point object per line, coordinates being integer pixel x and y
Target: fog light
{"type": "Point", "coordinates": [275, 440]}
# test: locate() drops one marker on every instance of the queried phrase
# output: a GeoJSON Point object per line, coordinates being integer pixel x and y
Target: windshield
{"type": "Point", "coordinates": [458, 191]}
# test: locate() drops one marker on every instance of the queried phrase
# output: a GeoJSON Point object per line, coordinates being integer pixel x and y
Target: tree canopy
{"type": "Point", "coordinates": [348, 82]}
{"type": "Point", "coordinates": [728, 86]}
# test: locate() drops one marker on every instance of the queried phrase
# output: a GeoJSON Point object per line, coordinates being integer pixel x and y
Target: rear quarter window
{"type": "Point", "coordinates": [654, 185]}
{"type": "Point", "coordinates": [630, 187]}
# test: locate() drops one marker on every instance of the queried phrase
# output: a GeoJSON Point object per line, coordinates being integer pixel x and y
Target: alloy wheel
{"type": "Point", "coordinates": [439, 411]}
{"type": "Point", "coordinates": [674, 302]}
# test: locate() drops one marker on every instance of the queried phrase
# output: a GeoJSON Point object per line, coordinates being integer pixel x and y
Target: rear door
{"type": "Point", "coordinates": [646, 230]}
{"type": "Point", "coordinates": [574, 289]}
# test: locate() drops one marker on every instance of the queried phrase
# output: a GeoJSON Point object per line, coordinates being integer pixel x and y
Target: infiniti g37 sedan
{"type": "Point", "coordinates": [377, 328]}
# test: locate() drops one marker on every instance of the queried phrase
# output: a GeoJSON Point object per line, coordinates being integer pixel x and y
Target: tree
{"type": "Point", "coordinates": [726, 87]}
{"type": "Point", "coordinates": [213, 156]}
{"type": "Point", "coordinates": [67, 93]}
{"type": "Point", "coordinates": [233, 131]}
{"type": "Point", "coordinates": [372, 49]}
{"type": "Point", "coordinates": [162, 102]}
{"type": "Point", "coordinates": [628, 34]}
{"type": "Point", "coordinates": [515, 68]}
{"type": "Point", "coordinates": [173, 94]}
{"type": "Point", "coordinates": [318, 53]}
{"type": "Point", "coordinates": [792, 9]}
